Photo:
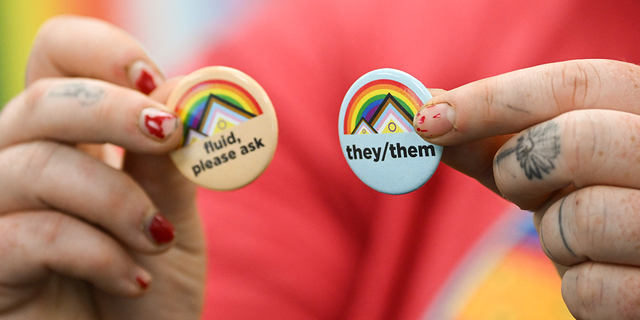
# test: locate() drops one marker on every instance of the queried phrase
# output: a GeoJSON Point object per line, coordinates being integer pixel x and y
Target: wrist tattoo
{"type": "Point", "coordinates": [85, 94]}
{"type": "Point", "coordinates": [536, 150]}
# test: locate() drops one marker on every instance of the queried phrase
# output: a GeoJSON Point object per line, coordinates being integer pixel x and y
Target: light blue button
{"type": "Point", "coordinates": [377, 136]}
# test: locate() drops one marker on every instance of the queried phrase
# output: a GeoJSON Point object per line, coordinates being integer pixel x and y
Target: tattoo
{"type": "Point", "coordinates": [518, 109]}
{"type": "Point", "coordinates": [536, 149]}
{"type": "Point", "coordinates": [86, 95]}
{"type": "Point", "coordinates": [564, 240]}
{"type": "Point", "coordinates": [504, 154]}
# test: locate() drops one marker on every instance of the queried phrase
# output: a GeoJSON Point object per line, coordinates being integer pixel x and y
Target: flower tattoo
{"type": "Point", "coordinates": [536, 150]}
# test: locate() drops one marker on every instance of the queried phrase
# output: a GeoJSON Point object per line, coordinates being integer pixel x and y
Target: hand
{"type": "Point", "coordinates": [78, 237]}
{"type": "Point", "coordinates": [561, 139]}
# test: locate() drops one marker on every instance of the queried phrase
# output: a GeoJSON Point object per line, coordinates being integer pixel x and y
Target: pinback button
{"type": "Point", "coordinates": [377, 136]}
{"type": "Point", "coordinates": [230, 128]}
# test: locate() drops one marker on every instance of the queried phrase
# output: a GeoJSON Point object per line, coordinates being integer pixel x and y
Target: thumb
{"type": "Point", "coordinates": [474, 158]}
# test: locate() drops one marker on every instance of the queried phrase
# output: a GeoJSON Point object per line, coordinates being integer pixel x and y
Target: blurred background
{"type": "Point", "coordinates": [186, 25]}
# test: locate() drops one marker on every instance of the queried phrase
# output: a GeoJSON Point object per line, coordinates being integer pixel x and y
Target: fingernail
{"type": "Point", "coordinates": [142, 278]}
{"type": "Point", "coordinates": [157, 123]}
{"type": "Point", "coordinates": [161, 230]}
{"type": "Point", "coordinates": [143, 77]}
{"type": "Point", "coordinates": [434, 121]}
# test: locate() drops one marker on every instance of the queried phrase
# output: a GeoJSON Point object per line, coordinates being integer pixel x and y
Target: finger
{"type": "Point", "coordinates": [480, 164]}
{"type": "Point", "coordinates": [70, 46]}
{"type": "Point", "coordinates": [602, 291]}
{"type": "Point", "coordinates": [475, 159]}
{"type": "Point", "coordinates": [583, 148]}
{"type": "Point", "coordinates": [512, 102]}
{"type": "Point", "coordinates": [596, 223]}
{"type": "Point", "coordinates": [167, 187]}
{"type": "Point", "coordinates": [34, 244]}
{"type": "Point", "coordinates": [436, 92]}
{"type": "Point", "coordinates": [471, 120]}
{"type": "Point", "coordinates": [86, 110]}
{"type": "Point", "coordinates": [44, 175]}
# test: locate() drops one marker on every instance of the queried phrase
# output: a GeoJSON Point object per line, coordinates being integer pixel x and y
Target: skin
{"type": "Point", "coordinates": [562, 140]}
{"type": "Point", "coordinates": [74, 213]}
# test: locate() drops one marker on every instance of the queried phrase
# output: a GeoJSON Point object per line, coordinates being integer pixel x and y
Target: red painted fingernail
{"type": "Point", "coordinates": [143, 77]}
{"type": "Point", "coordinates": [157, 123]}
{"type": "Point", "coordinates": [143, 284]}
{"type": "Point", "coordinates": [145, 82]}
{"type": "Point", "coordinates": [437, 120]}
{"type": "Point", "coordinates": [161, 230]}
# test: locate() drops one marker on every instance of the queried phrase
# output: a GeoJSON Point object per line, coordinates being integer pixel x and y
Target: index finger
{"type": "Point", "coordinates": [70, 46]}
{"type": "Point", "coordinates": [512, 102]}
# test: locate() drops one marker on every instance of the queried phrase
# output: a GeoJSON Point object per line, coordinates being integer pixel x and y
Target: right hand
{"type": "Point", "coordinates": [80, 237]}
{"type": "Point", "coordinates": [561, 140]}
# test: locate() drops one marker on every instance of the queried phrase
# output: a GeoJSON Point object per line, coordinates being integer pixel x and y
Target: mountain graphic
{"type": "Point", "coordinates": [218, 115]}
{"type": "Point", "coordinates": [389, 117]}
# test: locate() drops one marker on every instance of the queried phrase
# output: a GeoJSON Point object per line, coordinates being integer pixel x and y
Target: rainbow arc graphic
{"type": "Point", "coordinates": [381, 106]}
{"type": "Point", "coordinates": [213, 106]}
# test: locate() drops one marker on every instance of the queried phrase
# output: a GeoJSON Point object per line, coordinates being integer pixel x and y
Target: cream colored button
{"type": "Point", "coordinates": [230, 128]}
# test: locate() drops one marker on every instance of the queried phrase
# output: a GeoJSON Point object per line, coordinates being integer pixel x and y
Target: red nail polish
{"type": "Point", "coordinates": [154, 124]}
{"type": "Point", "coordinates": [161, 230]}
{"type": "Point", "coordinates": [143, 284]}
{"type": "Point", "coordinates": [421, 121]}
{"type": "Point", "coordinates": [145, 83]}
{"type": "Point", "coordinates": [437, 116]}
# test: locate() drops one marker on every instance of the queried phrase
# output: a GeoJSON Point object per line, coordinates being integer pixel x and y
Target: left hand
{"type": "Point", "coordinates": [563, 140]}
{"type": "Point", "coordinates": [80, 239]}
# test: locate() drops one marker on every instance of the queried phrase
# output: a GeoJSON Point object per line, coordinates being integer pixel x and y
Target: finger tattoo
{"type": "Point", "coordinates": [564, 239]}
{"type": "Point", "coordinates": [87, 95]}
{"type": "Point", "coordinates": [536, 150]}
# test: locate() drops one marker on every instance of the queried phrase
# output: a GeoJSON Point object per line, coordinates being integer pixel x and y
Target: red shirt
{"type": "Point", "coordinates": [308, 240]}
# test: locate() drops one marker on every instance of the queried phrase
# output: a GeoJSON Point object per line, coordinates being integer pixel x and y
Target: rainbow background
{"type": "Point", "coordinates": [171, 31]}
{"type": "Point", "coordinates": [367, 99]}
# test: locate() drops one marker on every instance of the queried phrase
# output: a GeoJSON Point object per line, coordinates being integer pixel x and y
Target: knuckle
{"type": "Point", "coordinates": [582, 142]}
{"type": "Point", "coordinates": [101, 261]}
{"type": "Point", "coordinates": [589, 291]}
{"type": "Point", "coordinates": [105, 107]}
{"type": "Point", "coordinates": [579, 84]}
{"type": "Point", "coordinates": [590, 216]}
{"type": "Point", "coordinates": [8, 239]}
{"type": "Point", "coordinates": [34, 94]}
{"type": "Point", "coordinates": [38, 158]}
{"type": "Point", "coordinates": [53, 227]}
{"type": "Point", "coordinates": [27, 161]}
